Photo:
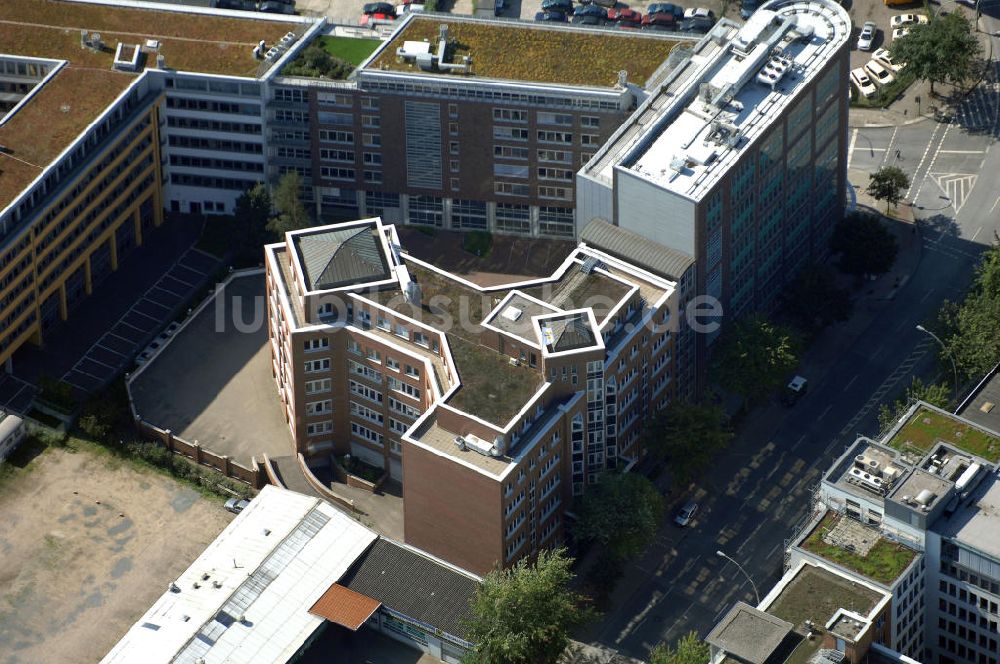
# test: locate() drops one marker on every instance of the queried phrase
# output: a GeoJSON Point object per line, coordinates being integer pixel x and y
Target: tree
{"type": "Point", "coordinates": [524, 615]}
{"type": "Point", "coordinates": [622, 512]}
{"type": "Point", "coordinates": [813, 300]}
{"type": "Point", "coordinates": [688, 436]}
{"type": "Point", "coordinates": [315, 62]}
{"type": "Point", "coordinates": [689, 650]}
{"type": "Point", "coordinates": [936, 394]}
{"type": "Point", "coordinates": [864, 244]}
{"type": "Point", "coordinates": [970, 328]}
{"type": "Point", "coordinates": [944, 50]}
{"type": "Point", "coordinates": [292, 214]}
{"type": "Point", "coordinates": [887, 184]}
{"type": "Point", "coordinates": [753, 356]}
{"type": "Point", "coordinates": [253, 213]}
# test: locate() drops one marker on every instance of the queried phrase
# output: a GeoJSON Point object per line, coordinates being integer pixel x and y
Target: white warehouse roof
{"type": "Point", "coordinates": [246, 598]}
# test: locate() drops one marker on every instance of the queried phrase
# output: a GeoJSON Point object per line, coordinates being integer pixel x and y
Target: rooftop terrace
{"type": "Point", "coordinates": [817, 594]}
{"type": "Point", "coordinates": [869, 554]}
{"type": "Point", "coordinates": [523, 51]}
{"type": "Point", "coordinates": [926, 426]}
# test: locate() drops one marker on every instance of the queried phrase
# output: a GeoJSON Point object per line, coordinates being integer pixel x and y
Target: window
{"type": "Point", "coordinates": [555, 137]}
{"type": "Point", "coordinates": [319, 407]}
{"type": "Point", "coordinates": [468, 214]}
{"type": "Point", "coordinates": [369, 103]}
{"type": "Point", "coordinates": [318, 386]}
{"type": "Point", "coordinates": [330, 136]}
{"type": "Point", "coordinates": [510, 171]}
{"type": "Point", "coordinates": [590, 121]}
{"type": "Point", "coordinates": [453, 111]}
{"type": "Point", "coordinates": [373, 355]}
{"type": "Point", "coordinates": [513, 218]}
{"type": "Point", "coordinates": [563, 119]}
{"type": "Point", "coordinates": [326, 154]}
{"type": "Point", "coordinates": [509, 152]}
{"type": "Point", "coordinates": [325, 117]}
{"type": "Point", "coordinates": [560, 193]}
{"type": "Point", "coordinates": [319, 428]}
{"type": "Point", "coordinates": [395, 447]}
{"type": "Point", "coordinates": [398, 427]}
{"type": "Point", "coordinates": [337, 173]}
{"type": "Point", "coordinates": [453, 183]}
{"type": "Point", "coordinates": [372, 140]}
{"type": "Point", "coordinates": [365, 392]}
{"type": "Point", "coordinates": [371, 121]}
{"type": "Point", "coordinates": [453, 165]}
{"type": "Point", "coordinates": [366, 434]}
{"type": "Point", "coordinates": [317, 365]}
{"type": "Point", "coordinates": [510, 188]}
{"type": "Point", "coordinates": [316, 344]}
{"type": "Point", "coordinates": [555, 174]}
{"type": "Point", "coordinates": [510, 134]}
{"type": "Point", "coordinates": [453, 147]}
{"type": "Point", "coordinates": [373, 177]}
{"type": "Point", "coordinates": [333, 99]}
{"type": "Point", "coordinates": [412, 372]}
{"type": "Point", "coordinates": [589, 139]}
{"type": "Point", "coordinates": [364, 371]}
{"type": "Point", "coordinates": [365, 412]}
{"type": "Point", "coordinates": [509, 115]}
{"type": "Point", "coordinates": [392, 364]}
{"type": "Point", "coordinates": [453, 128]}
{"type": "Point", "coordinates": [402, 408]}
{"type": "Point", "coordinates": [397, 385]}
{"type": "Point", "coordinates": [559, 156]}
{"type": "Point", "coordinates": [373, 158]}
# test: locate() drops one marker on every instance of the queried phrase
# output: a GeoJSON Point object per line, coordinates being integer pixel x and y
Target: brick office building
{"type": "Point", "coordinates": [494, 406]}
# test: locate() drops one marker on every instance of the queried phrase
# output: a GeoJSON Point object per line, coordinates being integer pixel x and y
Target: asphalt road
{"type": "Point", "coordinates": [754, 499]}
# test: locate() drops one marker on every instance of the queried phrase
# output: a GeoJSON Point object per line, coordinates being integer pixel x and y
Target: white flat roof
{"type": "Point", "coordinates": [977, 524]}
{"type": "Point", "coordinates": [690, 148]}
{"type": "Point", "coordinates": [269, 566]}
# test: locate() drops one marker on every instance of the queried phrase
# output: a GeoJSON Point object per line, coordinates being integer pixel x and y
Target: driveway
{"type": "Point", "coordinates": [212, 382]}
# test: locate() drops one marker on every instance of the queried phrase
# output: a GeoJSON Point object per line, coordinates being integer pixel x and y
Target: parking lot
{"type": "Point", "coordinates": [212, 381]}
{"type": "Point", "coordinates": [88, 544]}
{"type": "Point", "coordinates": [115, 350]}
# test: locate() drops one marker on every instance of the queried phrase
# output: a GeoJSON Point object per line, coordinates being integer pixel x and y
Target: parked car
{"type": "Point", "coordinates": [169, 330]}
{"type": "Point", "coordinates": [498, 7]}
{"type": "Point", "coordinates": [902, 20]}
{"type": "Point", "coordinates": [698, 12]}
{"type": "Point", "coordinates": [591, 10]}
{"type": "Point", "coordinates": [879, 74]}
{"type": "Point", "coordinates": [900, 32]}
{"type": "Point", "coordinates": [863, 82]}
{"type": "Point", "coordinates": [551, 17]}
{"type": "Point", "coordinates": [237, 505]}
{"type": "Point", "coordinates": [748, 7]}
{"type": "Point", "coordinates": [666, 19]}
{"type": "Point", "coordinates": [699, 24]}
{"type": "Point", "coordinates": [276, 7]}
{"type": "Point", "coordinates": [867, 36]}
{"type": "Point", "coordinates": [795, 390]}
{"type": "Point", "coordinates": [686, 513]}
{"type": "Point", "coordinates": [378, 8]}
{"type": "Point", "coordinates": [882, 55]}
{"type": "Point", "coordinates": [605, 3]}
{"type": "Point", "coordinates": [665, 8]}
{"type": "Point", "coordinates": [629, 15]}
{"type": "Point", "coordinates": [660, 27]}
{"type": "Point", "coordinates": [371, 20]}
{"type": "Point", "coordinates": [242, 5]}
{"type": "Point", "coordinates": [564, 6]}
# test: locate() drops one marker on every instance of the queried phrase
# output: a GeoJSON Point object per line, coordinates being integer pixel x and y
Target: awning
{"type": "Point", "coordinates": [345, 607]}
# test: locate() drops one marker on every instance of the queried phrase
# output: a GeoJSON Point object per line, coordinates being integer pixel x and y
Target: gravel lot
{"type": "Point", "coordinates": [88, 543]}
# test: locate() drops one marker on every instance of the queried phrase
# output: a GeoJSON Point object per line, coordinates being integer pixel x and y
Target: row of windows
{"type": "Point", "coordinates": [214, 125]}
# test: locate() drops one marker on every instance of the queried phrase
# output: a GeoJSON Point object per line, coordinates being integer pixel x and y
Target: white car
{"type": "Point", "coordinates": [900, 32]}
{"type": "Point", "coordinates": [697, 12]}
{"type": "Point", "coordinates": [881, 74]}
{"type": "Point", "coordinates": [883, 58]}
{"type": "Point", "coordinates": [686, 513]}
{"type": "Point", "coordinates": [863, 82]}
{"type": "Point", "coordinates": [867, 36]}
{"type": "Point", "coordinates": [899, 20]}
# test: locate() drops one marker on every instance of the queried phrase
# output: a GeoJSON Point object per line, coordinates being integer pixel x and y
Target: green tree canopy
{"type": "Point", "coordinates": [315, 62]}
{"type": "Point", "coordinates": [887, 184]}
{"type": "Point", "coordinates": [864, 244]}
{"type": "Point", "coordinates": [292, 214]}
{"type": "Point", "coordinates": [936, 394]}
{"type": "Point", "coordinates": [689, 650]}
{"type": "Point", "coordinates": [688, 436]}
{"type": "Point", "coordinates": [253, 212]}
{"type": "Point", "coordinates": [524, 615]}
{"type": "Point", "coordinates": [943, 51]}
{"type": "Point", "coordinates": [622, 512]}
{"type": "Point", "coordinates": [813, 300]}
{"type": "Point", "coordinates": [970, 328]}
{"type": "Point", "coordinates": [753, 356]}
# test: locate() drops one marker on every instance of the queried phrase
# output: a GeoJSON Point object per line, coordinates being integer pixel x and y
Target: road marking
{"type": "Point", "coordinates": [888, 148]}
{"type": "Point", "coordinates": [850, 382]}
{"type": "Point", "coordinates": [995, 204]}
{"type": "Point", "coordinates": [773, 550]}
{"type": "Point", "coordinates": [823, 414]}
{"type": "Point", "coordinates": [796, 444]}
{"type": "Point", "coordinates": [930, 166]}
{"type": "Point", "coordinates": [961, 151]}
{"type": "Point", "coordinates": [850, 150]}
{"type": "Point", "coordinates": [980, 230]}
{"type": "Point", "coordinates": [927, 294]}
{"type": "Point", "coordinates": [923, 158]}
{"type": "Point", "coordinates": [110, 350]}
{"type": "Point", "coordinates": [957, 186]}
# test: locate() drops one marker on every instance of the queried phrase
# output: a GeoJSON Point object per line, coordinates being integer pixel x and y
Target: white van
{"type": "Point", "coordinates": [12, 433]}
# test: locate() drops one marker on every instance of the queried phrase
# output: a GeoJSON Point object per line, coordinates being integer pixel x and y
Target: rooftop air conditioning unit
{"type": "Point", "coordinates": [512, 314]}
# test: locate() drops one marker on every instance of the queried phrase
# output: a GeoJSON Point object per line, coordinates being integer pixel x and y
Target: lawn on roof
{"type": "Point", "coordinates": [927, 426]}
{"type": "Point", "coordinates": [349, 49]}
{"type": "Point", "coordinates": [884, 562]}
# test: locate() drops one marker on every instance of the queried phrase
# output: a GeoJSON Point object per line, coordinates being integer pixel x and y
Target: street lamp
{"type": "Point", "coordinates": [951, 357]}
{"type": "Point", "coordinates": [740, 567]}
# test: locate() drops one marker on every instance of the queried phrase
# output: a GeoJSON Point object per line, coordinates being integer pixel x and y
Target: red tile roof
{"type": "Point", "coordinates": [345, 607]}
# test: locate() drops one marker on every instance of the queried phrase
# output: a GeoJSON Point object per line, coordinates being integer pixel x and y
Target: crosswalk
{"type": "Point", "coordinates": [956, 186]}
{"type": "Point", "coordinates": [979, 110]}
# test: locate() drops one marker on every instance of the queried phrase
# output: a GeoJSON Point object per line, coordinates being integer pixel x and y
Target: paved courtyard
{"type": "Point", "coordinates": [212, 383]}
{"type": "Point", "coordinates": [89, 542]}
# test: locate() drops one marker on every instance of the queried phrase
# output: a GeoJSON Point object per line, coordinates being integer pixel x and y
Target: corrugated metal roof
{"type": "Point", "coordinates": [414, 585]}
{"type": "Point", "coordinates": [336, 258]}
{"type": "Point", "coordinates": [267, 567]}
{"type": "Point", "coordinates": [636, 249]}
{"type": "Point", "coordinates": [345, 607]}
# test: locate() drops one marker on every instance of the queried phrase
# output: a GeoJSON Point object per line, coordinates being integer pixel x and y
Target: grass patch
{"type": "Point", "coordinates": [479, 243]}
{"type": "Point", "coordinates": [886, 95]}
{"type": "Point", "coordinates": [359, 468]}
{"type": "Point", "coordinates": [884, 562]}
{"type": "Point", "coordinates": [536, 53]}
{"type": "Point", "coordinates": [349, 49]}
{"type": "Point", "coordinates": [492, 388]}
{"type": "Point", "coordinates": [926, 427]}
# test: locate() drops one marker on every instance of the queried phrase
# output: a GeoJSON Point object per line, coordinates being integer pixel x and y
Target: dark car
{"type": "Point", "coordinates": [666, 19]}
{"type": "Point", "coordinates": [242, 5]}
{"type": "Point", "coordinates": [564, 6]}
{"type": "Point", "coordinates": [665, 8]}
{"type": "Point", "coordinates": [660, 27]}
{"type": "Point", "coordinates": [587, 20]}
{"type": "Point", "coordinates": [276, 7]}
{"type": "Point", "coordinates": [591, 10]}
{"type": "Point", "coordinates": [499, 6]}
{"type": "Point", "coordinates": [379, 8]}
{"type": "Point", "coordinates": [552, 16]}
{"type": "Point", "coordinates": [698, 24]}
{"type": "Point", "coordinates": [748, 7]}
